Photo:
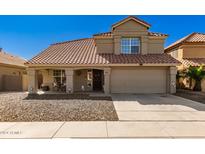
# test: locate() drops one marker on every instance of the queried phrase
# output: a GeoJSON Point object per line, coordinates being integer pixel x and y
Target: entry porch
{"type": "Point", "coordinates": [69, 80]}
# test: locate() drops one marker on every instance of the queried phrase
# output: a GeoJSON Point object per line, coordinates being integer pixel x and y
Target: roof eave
{"type": "Point", "coordinates": [13, 65]}
{"type": "Point", "coordinates": [177, 46]}
{"type": "Point", "coordinates": [161, 37]}
{"type": "Point", "coordinates": [102, 65]}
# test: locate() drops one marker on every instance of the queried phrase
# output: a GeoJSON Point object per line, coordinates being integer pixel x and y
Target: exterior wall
{"type": "Point", "coordinates": [149, 44]}
{"type": "Point", "coordinates": [130, 29]}
{"type": "Point", "coordinates": [155, 46]}
{"type": "Point", "coordinates": [122, 79]}
{"type": "Point", "coordinates": [8, 72]}
{"type": "Point", "coordinates": [177, 54]}
{"type": "Point", "coordinates": [188, 51]}
{"type": "Point", "coordinates": [47, 78]}
{"type": "Point", "coordinates": [139, 79]}
{"type": "Point", "coordinates": [194, 51]}
{"type": "Point", "coordinates": [186, 82]}
{"type": "Point", "coordinates": [203, 85]}
{"type": "Point", "coordinates": [32, 80]}
{"type": "Point", "coordinates": [130, 25]}
{"type": "Point", "coordinates": [80, 79]}
{"type": "Point", "coordinates": [172, 79]}
{"type": "Point", "coordinates": [25, 82]}
{"type": "Point", "coordinates": [104, 45]}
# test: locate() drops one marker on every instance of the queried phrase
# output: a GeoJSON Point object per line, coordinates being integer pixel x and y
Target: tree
{"type": "Point", "coordinates": [197, 74]}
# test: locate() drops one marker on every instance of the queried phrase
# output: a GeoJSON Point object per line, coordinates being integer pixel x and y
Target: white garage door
{"type": "Point", "coordinates": [138, 80]}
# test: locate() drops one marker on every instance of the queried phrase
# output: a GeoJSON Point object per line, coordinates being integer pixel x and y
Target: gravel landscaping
{"type": "Point", "coordinates": [16, 107]}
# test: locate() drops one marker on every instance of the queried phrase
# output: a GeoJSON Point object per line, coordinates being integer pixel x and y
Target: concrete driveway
{"type": "Point", "coordinates": [157, 116]}
{"type": "Point", "coordinates": [140, 116]}
{"type": "Point", "coordinates": [157, 108]}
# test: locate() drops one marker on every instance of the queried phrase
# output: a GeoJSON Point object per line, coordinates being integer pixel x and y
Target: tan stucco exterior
{"type": "Point", "coordinates": [155, 45]}
{"type": "Point", "coordinates": [105, 45]}
{"type": "Point", "coordinates": [118, 78]}
{"type": "Point", "coordinates": [188, 51]}
{"type": "Point", "coordinates": [193, 51]}
{"type": "Point", "coordinates": [11, 78]}
{"type": "Point", "coordinates": [149, 44]}
{"type": "Point", "coordinates": [80, 79]}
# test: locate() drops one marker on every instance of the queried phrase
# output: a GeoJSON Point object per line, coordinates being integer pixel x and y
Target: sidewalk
{"type": "Point", "coordinates": [127, 129]}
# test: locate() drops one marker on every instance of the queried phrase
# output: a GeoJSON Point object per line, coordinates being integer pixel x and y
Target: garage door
{"type": "Point", "coordinates": [138, 80]}
{"type": "Point", "coordinates": [12, 83]}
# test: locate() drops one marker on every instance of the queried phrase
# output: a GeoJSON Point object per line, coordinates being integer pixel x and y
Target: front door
{"type": "Point", "coordinates": [97, 80]}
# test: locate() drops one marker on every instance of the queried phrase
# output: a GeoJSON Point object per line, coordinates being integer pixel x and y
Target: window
{"type": "Point", "coordinates": [130, 45]}
{"type": "Point", "coordinates": [59, 76]}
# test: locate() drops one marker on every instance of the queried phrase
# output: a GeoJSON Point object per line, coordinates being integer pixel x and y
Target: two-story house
{"type": "Point", "coordinates": [128, 59]}
{"type": "Point", "coordinates": [190, 51]}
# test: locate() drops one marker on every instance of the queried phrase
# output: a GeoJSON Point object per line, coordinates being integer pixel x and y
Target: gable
{"type": "Point", "coordinates": [130, 25]}
{"type": "Point", "coordinates": [193, 38]}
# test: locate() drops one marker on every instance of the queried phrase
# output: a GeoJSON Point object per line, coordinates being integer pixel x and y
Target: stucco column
{"type": "Point", "coordinates": [107, 80]}
{"type": "Point", "coordinates": [172, 79]}
{"type": "Point", "coordinates": [69, 80]}
{"type": "Point", "coordinates": [32, 80]}
{"type": "Point", "coordinates": [117, 47]}
{"type": "Point", "coordinates": [144, 47]}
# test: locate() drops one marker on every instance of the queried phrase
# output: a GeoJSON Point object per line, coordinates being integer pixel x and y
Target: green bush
{"type": "Point", "coordinates": [197, 74]}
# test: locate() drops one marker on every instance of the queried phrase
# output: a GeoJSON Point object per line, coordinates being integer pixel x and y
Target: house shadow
{"type": "Point", "coordinates": [66, 97]}
{"type": "Point", "coordinates": [162, 99]}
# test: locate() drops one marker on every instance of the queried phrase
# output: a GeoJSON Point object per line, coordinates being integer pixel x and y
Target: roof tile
{"type": "Point", "coordinates": [191, 38]}
{"type": "Point", "coordinates": [193, 61]}
{"type": "Point", "coordinates": [109, 34]}
{"type": "Point", "coordinates": [8, 59]}
{"type": "Point", "coordinates": [84, 52]}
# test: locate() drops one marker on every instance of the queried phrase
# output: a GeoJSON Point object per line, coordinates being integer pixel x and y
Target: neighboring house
{"type": "Point", "coordinates": [190, 51]}
{"type": "Point", "coordinates": [12, 73]}
{"type": "Point", "coordinates": [128, 59]}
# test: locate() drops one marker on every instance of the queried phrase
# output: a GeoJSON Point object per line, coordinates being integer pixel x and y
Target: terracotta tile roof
{"type": "Point", "coordinates": [9, 59]}
{"type": "Point", "coordinates": [105, 34]}
{"type": "Point", "coordinates": [191, 38]}
{"type": "Point", "coordinates": [156, 34]}
{"type": "Point", "coordinates": [84, 52]}
{"type": "Point", "coordinates": [109, 34]}
{"type": "Point", "coordinates": [193, 61]}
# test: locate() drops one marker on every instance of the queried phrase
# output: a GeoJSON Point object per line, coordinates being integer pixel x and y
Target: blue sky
{"type": "Point", "coordinates": [26, 36]}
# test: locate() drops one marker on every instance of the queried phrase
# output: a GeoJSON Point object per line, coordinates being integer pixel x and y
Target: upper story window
{"type": "Point", "coordinates": [130, 45]}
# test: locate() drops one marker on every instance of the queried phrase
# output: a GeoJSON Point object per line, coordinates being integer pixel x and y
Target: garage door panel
{"type": "Point", "coordinates": [138, 80]}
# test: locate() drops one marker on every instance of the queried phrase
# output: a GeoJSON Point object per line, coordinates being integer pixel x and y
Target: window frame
{"type": "Point", "coordinates": [61, 75]}
{"type": "Point", "coordinates": [130, 45]}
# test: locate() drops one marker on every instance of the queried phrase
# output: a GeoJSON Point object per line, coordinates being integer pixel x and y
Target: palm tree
{"type": "Point", "coordinates": [197, 74]}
